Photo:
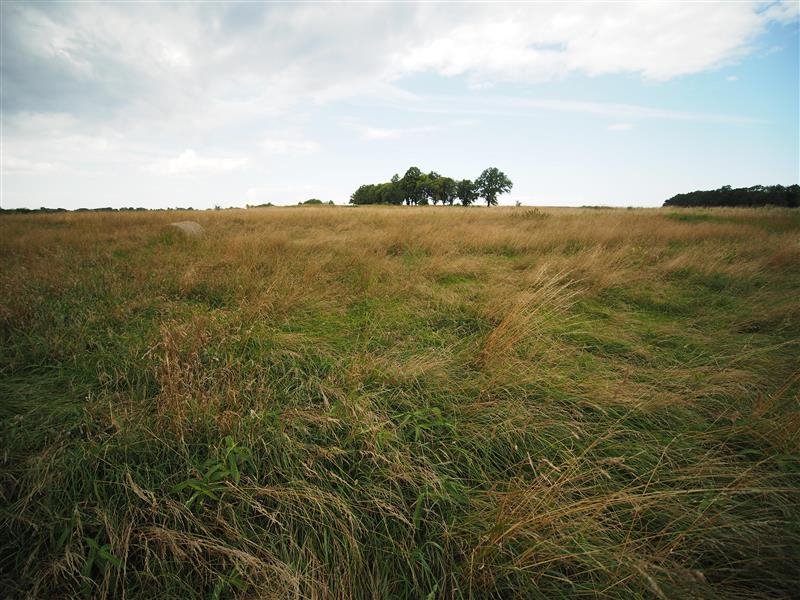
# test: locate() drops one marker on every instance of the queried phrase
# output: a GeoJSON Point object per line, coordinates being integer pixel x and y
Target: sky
{"type": "Point", "coordinates": [202, 104]}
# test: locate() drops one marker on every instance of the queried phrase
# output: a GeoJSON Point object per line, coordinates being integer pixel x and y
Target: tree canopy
{"type": "Point", "coordinates": [466, 192]}
{"type": "Point", "coordinates": [418, 188]}
{"type": "Point", "coordinates": [758, 195]}
{"type": "Point", "coordinates": [492, 183]}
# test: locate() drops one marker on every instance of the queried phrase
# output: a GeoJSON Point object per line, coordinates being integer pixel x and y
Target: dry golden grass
{"type": "Point", "coordinates": [401, 402]}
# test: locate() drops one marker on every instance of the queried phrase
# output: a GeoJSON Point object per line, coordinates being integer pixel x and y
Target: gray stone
{"type": "Point", "coordinates": [190, 228]}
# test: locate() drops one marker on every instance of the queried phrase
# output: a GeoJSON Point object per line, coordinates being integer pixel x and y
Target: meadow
{"type": "Point", "coordinates": [365, 402]}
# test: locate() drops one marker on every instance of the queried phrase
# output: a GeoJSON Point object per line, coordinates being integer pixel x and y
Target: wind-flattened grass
{"type": "Point", "coordinates": [421, 402]}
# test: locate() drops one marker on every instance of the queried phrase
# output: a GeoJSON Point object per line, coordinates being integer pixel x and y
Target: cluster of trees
{"type": "Point", "coordinates": [418, 188]}
{"type": "Point", "coordinates": [758, 195]}
{"type": "Point", "coordinates": [314, 202]}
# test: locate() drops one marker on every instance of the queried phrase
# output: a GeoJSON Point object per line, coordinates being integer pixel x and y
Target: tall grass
{"type": "Point", "coordinates": [413, 402]}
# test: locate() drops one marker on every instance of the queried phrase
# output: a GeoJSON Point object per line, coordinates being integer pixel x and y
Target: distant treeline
{"type": "Point", "coordinates": [44, 209]}
{"type": "Point", "coordinates": [758, 195]}
{"type": "Point", "coordinates": [418, 188]}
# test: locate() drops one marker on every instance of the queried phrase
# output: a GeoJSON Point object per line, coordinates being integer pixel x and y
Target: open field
{"type": "Point", "coordinates": [406, 403]}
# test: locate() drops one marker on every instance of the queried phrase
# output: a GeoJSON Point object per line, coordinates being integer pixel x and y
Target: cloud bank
{"type": "Point", "coordinates": [182, 88]}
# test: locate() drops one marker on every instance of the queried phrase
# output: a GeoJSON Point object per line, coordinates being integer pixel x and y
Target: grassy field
{"type": "Point", "coordinates": [405, 403]}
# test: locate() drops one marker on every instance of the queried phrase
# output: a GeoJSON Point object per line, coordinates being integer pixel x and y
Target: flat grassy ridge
{"type": "Point", "coordinates": [401, 403]}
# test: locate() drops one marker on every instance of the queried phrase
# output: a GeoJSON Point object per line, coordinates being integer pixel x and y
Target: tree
{"type": "Point", "coordinates": [444, 190]}
{"type": "Point", "coordinates": [429, 185]}
{"type": "Point", "coordinates": [465, 191]}
{"type": "Point", "coordinates": [410, 185]}
{"type": "Point", "coordinates": [366, 194]}
{"type": "Point", "coordinates": [388, 193]}
{"type": "Point", "coordinates": [491, 183]}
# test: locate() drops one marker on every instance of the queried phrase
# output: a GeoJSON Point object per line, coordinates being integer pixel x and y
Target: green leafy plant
{"type": "Point", "coordinates": [98, 556]}
{"type": "Point", "coordinates": [219, 471]}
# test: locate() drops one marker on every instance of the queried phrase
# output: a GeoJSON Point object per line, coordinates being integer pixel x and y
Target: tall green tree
{"type": "Point", "coordinates": [392, 194]}
{"type": "Point", "coordinates": [366, 194]}
{"type": "Point", "coordinates": [428, 185]}
{"type": "Point", "coordinates": [466, 192]}
{"type": "Point", "coordinates": [410, 186]}
{"type": "Point", "coordinates": [444, 190]}
{"type": "Point", "coordinates": [491, 184]}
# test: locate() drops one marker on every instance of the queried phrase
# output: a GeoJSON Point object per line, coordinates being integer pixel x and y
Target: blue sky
{"type": "Point", "coordinates": [226, 104]}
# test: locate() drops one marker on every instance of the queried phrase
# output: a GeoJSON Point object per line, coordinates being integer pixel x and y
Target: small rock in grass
{"type": "Point", "coordinates": [190, 228]}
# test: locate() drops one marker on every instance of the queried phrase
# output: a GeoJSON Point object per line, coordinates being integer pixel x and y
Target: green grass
{"type": "Point", "coordinates": [584, 403]}
{"type": "Point", "coordinates": [697, 217]}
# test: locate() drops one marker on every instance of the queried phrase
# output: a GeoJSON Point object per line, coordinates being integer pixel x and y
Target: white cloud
{"type": "Point", "coordinates": [189, 163]}
{"type": "Point", "coordinates": [43, 122]}
{"type": "Point", "coordinates": [388, 133]}
{"type": "Point", "coordinates": [731, 78]}
{"type": "Point", "coordinates": [381, 133]}
{"type": "Point", "coordinates": [539, 42]}
{"type": "Point", "coordinates": [12, 164]}
{"type": "Point", "coordinates": [783, 12]}
{"type": "Point", "coordinates": [620, 127]}
{"type": "Point", "coordinates": [521, 106]}
{"type": "Point", "coordinates": [196, 66]}
{"type": "Point", "coordinates": [290, 146]}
